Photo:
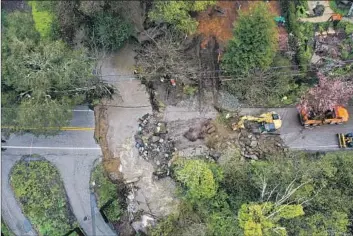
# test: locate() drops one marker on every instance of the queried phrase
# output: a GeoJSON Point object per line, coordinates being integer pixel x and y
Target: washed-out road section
{"type": "Point", "coordinates": [73, 153]}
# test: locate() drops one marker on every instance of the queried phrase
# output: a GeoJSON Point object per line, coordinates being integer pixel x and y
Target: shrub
{"type": "Point", "coordinates": [189, 90]}
{"type": "Point", "coordinates": [177, 13]}
{"type": "Point", "coordinates": [39, 189]}
{"type": "Point", "coordinates": [108, 31]}
{"type": "Point", "coordinates": [336, 9]}
{"type": "Point", "coordinates": [19, 25]}
{"type": "Point", "coordinates": [106, 191]}
{"type": "Point", "coordinates": [199, 178]}
{"type": "Point", "coordinates": [44, 22]}
{"type": "Point", "coordinates": [304, 57]}
{"type": "Point", "coordinates": [5, 230]}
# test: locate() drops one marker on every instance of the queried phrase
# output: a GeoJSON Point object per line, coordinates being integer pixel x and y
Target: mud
{"type": "Point", "coordinates": [110, 162]}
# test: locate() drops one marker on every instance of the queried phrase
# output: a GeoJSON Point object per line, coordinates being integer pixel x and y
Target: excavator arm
{"type": "Point", "coordinates": [240, 124]}
{"type": "Point", "coordinates": [267, 118]}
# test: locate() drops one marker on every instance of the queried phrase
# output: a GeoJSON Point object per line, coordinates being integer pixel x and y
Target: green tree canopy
{"type": "Point", "coordinates": [44, 22]}
{"type": "Point", "coordinates": [326, 194]}
{"type": "Point", "coordinates": [255, 41]}
{"type": "Point", "coordinates": [177, 13]}
{"type": "Point", "coordinates": [262, 219]}
{"type": "Point", "coordinates": [108, 31]}
{"type": "Point", "coordinates": [95, 23]}
{"type": "Point", "coordinates": [200, 179]}
{"type": "Point", "coordinates": [41, 80]}
{"type": "Point", "coordinates": [269, 196]}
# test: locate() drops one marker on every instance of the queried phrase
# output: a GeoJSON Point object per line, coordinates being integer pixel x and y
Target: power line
{"type": "Point", "coordinates": [102, 105]}
{"type": "Point", "coordinates": [221, 77]}
{"type": "Point", "coordinates": [128, 76]}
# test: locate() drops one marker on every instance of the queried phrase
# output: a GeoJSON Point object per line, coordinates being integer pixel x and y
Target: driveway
{"type": "Point", "coordinates": [73, 153]}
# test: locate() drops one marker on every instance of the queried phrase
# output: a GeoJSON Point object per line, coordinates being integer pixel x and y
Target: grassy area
{"type": "Point", "coordinates": [38, 187]}
{"type": "Point", "coordinates": [5, 231]}
{"type": "Point", "coordinates": [43, 21]}
{"type": "Point", "coordinates": [335, 8]}
{"type": "Point", "coordinates": [106, 191]}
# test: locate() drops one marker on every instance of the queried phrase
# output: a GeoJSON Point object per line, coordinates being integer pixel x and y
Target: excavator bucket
{"type": "Point", "coordinates": [342, 140]}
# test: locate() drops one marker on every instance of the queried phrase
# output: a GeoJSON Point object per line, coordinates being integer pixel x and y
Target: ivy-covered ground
{"type": "Point", "coordinates": [106, 192]}
{"type": "Point", "coordinates": [5, 231]}
{"type": "Point", "coordinates": [38, 187]}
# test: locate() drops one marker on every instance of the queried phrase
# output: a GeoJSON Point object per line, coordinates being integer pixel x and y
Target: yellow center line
{"type": "Point", "coordinates": [51, 128]}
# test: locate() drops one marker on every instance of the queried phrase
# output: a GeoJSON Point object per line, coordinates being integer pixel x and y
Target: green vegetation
{"type": "Point", "coordinates": [199, 178]}
{"type": "Point", "coordinates": [38, 187]}
{"type": "Point", "coordinates": [296, 194]}
{"type": "Point", "coordinates": [177, 13]}
{"type": "Point", "coordinates": [190, 90]}
{"type": "Point", "coordinates": [254, 44]}
{"type": "Point", "coordinates": [44, 22]}
{"type": "Point", "coordinates": [5, 230]}
{"type": "Point", "coordinates": [261, 219]}
{"type": "Point", "coordinates": [109, 31]}
{"type": "Point", "coordinates": [42, 80]}
{"type": "Point", "coordinates": [106, 191]}
{"type": "Point", "coordinates": [95, 24]}
{"type": "Point", "coordinates": [346, 26]}
{"type": "Point", "coordinates": [303, 32]}
{"type": "Point", "coordinates": [336, 9]}
{"type": "Point", "coordinates": [269, 88]}
{"type": "Point", "coordinates": [249, 56]}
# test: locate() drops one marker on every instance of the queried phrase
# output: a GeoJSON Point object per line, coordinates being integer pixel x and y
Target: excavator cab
{"type": "Point", "coordinates": [267, 128]}
{"type": "Point", "coordinates": [345, 140]}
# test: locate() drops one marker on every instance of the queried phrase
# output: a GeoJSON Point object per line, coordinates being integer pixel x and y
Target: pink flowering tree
{"type": "Point", "coordinates": [327, 94]}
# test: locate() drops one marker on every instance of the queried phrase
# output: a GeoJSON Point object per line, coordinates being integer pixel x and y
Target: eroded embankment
{"type": "Point", "coordinates": [110, 162]}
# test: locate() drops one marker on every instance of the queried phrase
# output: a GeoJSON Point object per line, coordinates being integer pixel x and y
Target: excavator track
{"type": "Point", "coordinates": [341, 140]}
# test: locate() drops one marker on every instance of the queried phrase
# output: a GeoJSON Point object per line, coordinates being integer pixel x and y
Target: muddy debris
{"type": "Point", "coordinates": [154, 144]}
{"type": "Point", "coordinates": [256, 146]}
{"type": "Point", "coordinates": [205, 128]}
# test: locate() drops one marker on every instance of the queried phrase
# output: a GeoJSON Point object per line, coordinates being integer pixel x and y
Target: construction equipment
{"type": "Point", "coordinates": [266, 123]}
{"type": "Point", "coordinates": [338, 115]}
{"type": "Point", "coordinates": [345, 140]}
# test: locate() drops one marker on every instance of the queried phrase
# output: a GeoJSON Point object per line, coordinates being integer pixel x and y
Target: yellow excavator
{"type": "Point", "coordinates": [345, 140]}
{"type": "Point", "coordinates": [266, 123]}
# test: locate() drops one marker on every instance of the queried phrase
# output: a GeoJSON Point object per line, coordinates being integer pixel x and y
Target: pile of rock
{"type": "Point", "coordinates": [256, 146]}
{"type": "Point", "coordinates": [153, 143]}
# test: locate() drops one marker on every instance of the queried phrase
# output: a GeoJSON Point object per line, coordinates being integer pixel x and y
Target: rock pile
{"type": "Point", "coordinates": [256, 146]}
{"type": "Point", "coordinates": [154, 145]}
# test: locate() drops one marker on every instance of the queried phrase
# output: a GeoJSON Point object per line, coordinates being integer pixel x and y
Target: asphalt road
{"type": "Point", "coordinates": [322, 138]}
{"type": "Point", "coordinates": [73, 153]}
